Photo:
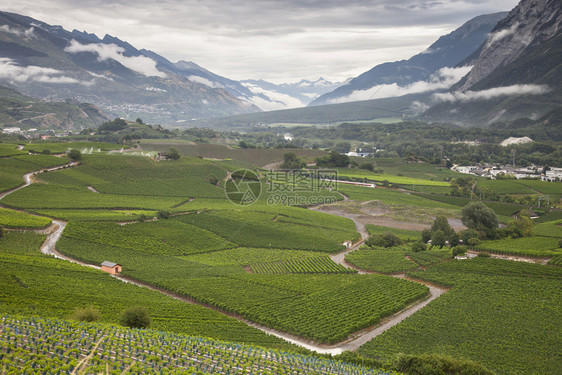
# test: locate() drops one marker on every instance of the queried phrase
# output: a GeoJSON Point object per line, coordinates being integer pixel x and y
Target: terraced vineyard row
{"type": "Point", "coordinates": [307, 265]}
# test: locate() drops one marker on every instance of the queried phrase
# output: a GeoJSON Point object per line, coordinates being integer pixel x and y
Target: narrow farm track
{"type": "Point", "coordinates": [54, 232]}
{"type": "Point", "coordinates": [389, 322]}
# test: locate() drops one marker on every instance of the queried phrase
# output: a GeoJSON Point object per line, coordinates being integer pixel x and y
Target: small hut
{"type": "Point", "coordinates": [112, 268]}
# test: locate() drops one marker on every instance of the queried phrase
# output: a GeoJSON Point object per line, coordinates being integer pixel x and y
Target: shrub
{"type": "Point", "coordinates": [163, 214]}
{"type": "Point", "coordinates": [87, 314]}
{"type": "Point", "coordinates": [458, 250]}
{"type": "Point", "coordinates": [418, 246]}
{"type": "Point", "coordinates": [173, 154]}
{"type": "Point", "coordinates": [75, 155]}
{"type": "Point", "coordinates": [560, 244]}
{"type": "Point", "coordinates": [213, 180]}
{"type": "Point", "coordinates": [135, 317]}
{"type": "Point", "coordinates": [467, 234]}
{"type": "Point", "coordinates": [46, 152]}
{"type": "Point", "coordinates": [430, 364]}
{"type": "Point", "coordinates": [1, 232]}
{"type": "Point", "coordinates": [483, 255]}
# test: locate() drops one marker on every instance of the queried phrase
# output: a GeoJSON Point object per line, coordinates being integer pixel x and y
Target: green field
{"type": "Point", "coordinates": [502, 314]}
{"type": "Point", "coordinates": [403, 234]}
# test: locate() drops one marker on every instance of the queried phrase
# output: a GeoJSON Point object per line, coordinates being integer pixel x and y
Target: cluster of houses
{"type": "Point", "coordinates": [492, 171]}
{"type": "Point", "coordinates": [34, 133]}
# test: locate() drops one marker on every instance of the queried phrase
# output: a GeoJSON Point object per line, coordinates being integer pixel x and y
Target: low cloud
{"type": "Point", "coordinates": [275, 100]}
{"type": "Point", "coordinates": [418, 107]}
{"type": "Point", "coordinates": [502, 34]}
{"type": "Point", "coordinates": [205, 81]}
{"type": "Point", "coordinates": [27, 33]}
{"type": "Point", "coordinates": [467, 96]}
{"type": "Point", "coordinates": [444, 78]}
{"type": "Point", "coordinates": [10, 71]}
{"type": "Point", "coordinates": [139, 64]}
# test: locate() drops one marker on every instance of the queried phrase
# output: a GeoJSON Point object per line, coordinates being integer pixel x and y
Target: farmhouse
{"type": "Point", "coordinates": [112, 268]}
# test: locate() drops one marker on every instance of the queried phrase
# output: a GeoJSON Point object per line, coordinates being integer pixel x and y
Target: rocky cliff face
{"type": "Point", "coordinates": [529, 24]}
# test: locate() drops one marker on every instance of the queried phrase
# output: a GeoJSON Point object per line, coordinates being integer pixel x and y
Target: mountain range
{"type": "Point", "coordinates": [495, 68]}
{"type": "Point", "coordinates": [514, 74]}
{"type": "Point", "coordinates": [49, 62]}
{"type": "Point", "coordinates": [408, 76]}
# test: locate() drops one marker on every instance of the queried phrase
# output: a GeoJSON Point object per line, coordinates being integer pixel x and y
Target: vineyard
{"type": "Point", "coordinates": [17, 219]}
{"type": "Point", "coordinates": [529, 246]}
{"type": "Point", "coordinates": [506, 315]}
{"type": "Point", "coordinates": [10, 150]}
{"type": "Point", "coordinates": [307, 265]}
{"type": "Point", "coordinates": [95, 348]}
{"type": "Point", "coordinates": [380, 259]}
{"type": "Point", "coordinates": [60, 148]}
{"type": "Point", "coordinates": [33, 284]}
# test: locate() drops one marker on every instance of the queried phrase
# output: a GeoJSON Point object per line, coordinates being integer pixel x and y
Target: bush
{"type": "Point", "coordinates": [458, 250]}
{"type": "Point", "coordinates": [135, 317]}
{"type": "Point", "coordinates": [173, 154]}
{"type": "Point", "coordinates": [87, 314]}
{"type": "Point", "coordinates": [386, 239]}
{"type": "Point", "coordinates": [467, 234]}
{"type": "Point", "coordinates": [418, 246]}
{"type": "Point", "coordinates": [560, 244]}
{"type": "Point", "coordinates": [483, 255]}
{"type": "Point", "coordinates": [433, 364]}
{"type": "Point", "coordinates": [213, 180]}
{"type": "Point", "coordinates": [163, 214]}
{"type": "Point", "coordinates": [46, 152]}
{"type": "Point", "coordinates": [74, 155]}
{"type": "Point", "coordinates": [475, 241]}
{"type": "Point", "coordinates": [1, 232]}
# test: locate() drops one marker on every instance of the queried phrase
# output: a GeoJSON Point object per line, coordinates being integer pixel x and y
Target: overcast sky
{"type": "Point", "coordinates": [275, 40]}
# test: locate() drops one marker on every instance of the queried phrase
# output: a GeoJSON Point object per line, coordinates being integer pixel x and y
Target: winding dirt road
{"type": "Point", "coordinates": [352, 343]}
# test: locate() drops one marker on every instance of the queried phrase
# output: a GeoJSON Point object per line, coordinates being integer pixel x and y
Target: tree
{"type": "Point", "coordinates": [292, 161]}
{"type": "Point", "coordinates": [173, 154]}
{"type": "Point", "coordinates": [386, 239]}
{"type": "Point", "coordinates": [333, 159]}
{"type": "Point", "coordinates": [139, 120]}
{"type": "Point", "coordinates": [115, 125]}
{"type": "Point", "coordinates": [343, 147]}
{"type": "Point", "coordinates": [135, 317]}
{"type": "Point", "coordinates": [426, 235]}
{"type": "Point", "coordinates": [478, 216]}
{"type": "Point", "coordinates": [74, 155]}
{"type": "Point", "coordinates": [438, 238]}
{"type": "Point", "coordinates": [367, 166]}
{"type": "Point", "coordinates": [441, 223]}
